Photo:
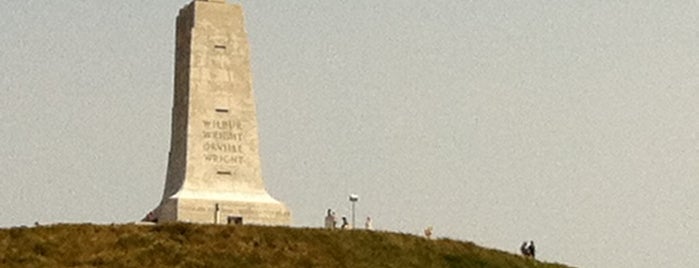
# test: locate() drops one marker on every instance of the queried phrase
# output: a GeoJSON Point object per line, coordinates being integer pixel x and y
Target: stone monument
{"type": "Point", "coordinates": [213, 173]}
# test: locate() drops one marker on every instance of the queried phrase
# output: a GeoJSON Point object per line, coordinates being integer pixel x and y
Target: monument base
{"type": "Point", "coordinates": [223, 208]}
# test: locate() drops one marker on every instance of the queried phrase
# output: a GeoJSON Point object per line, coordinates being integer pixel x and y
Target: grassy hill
{"type": "Point", "coordinates": [190, 245]}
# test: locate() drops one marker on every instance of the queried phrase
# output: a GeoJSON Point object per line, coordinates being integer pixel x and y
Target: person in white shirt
{"type": "Point", "coordinates": [367, 224]}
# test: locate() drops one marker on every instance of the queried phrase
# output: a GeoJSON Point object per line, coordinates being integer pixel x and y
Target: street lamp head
{"type": "Point", "coordinates": [353, 198]}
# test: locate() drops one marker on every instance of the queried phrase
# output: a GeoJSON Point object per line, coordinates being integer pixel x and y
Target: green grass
{"type": "Point", "coordinates": [192, 245]}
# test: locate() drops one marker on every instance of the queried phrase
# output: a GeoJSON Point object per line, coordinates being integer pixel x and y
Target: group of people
{"type": "Point", "coordinates": [528, 249]}
{"type": "Point", "coordinates": [331, 222]}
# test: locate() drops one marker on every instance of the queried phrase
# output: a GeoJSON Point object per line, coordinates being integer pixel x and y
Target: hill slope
{"type": "Point", "coordinates": [189, 245]}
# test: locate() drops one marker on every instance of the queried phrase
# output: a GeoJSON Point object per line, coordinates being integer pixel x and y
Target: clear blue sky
{"type": "Point", "coordinates": [570, 123]}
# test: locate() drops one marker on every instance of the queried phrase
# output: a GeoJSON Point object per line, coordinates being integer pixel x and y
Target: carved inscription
{"type": "Point", "coordinates": [223, 142]}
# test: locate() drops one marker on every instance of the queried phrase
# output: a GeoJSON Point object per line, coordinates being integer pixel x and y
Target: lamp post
{"type": "Point", "coordinates": [353, 198]}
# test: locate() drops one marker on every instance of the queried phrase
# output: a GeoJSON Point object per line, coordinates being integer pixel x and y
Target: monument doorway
{"type": "Point", "coordinates": [235, 220]}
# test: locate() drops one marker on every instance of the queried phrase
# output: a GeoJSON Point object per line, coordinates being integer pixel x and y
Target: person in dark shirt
{"type": "Point", "coordinates": [523, 248]}
{"type": "Point", "coordinates": [345, 224]}
{"type": "Point", "coordinates": [531, 249]}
